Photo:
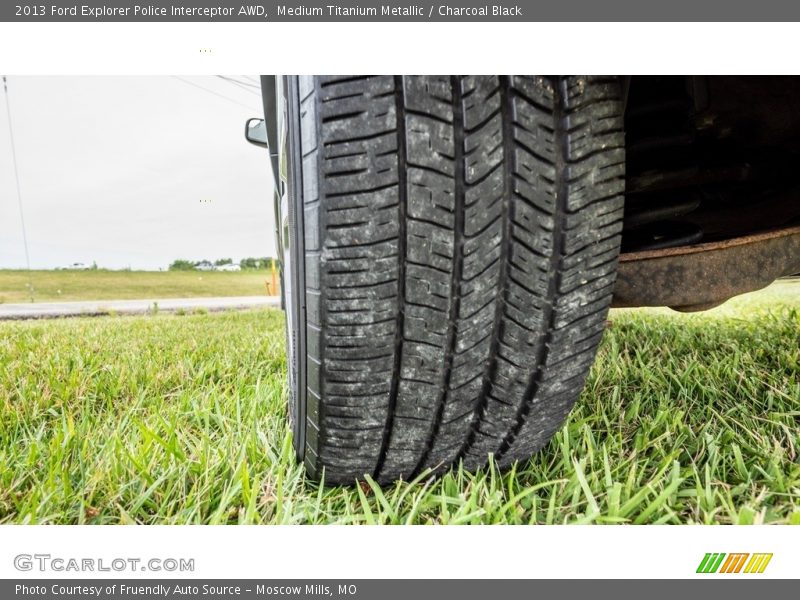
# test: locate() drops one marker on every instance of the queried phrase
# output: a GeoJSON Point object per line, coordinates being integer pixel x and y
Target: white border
{"type": "Point", "coordinates": [621, 48]}
{"type": "Point", "coordinates": [351, 552]}
{"type": "Point", "coordinates": [427, 552]}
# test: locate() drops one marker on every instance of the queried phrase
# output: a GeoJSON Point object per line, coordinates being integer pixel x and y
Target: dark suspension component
{"type": "Point", "coordinates": [704, 166]}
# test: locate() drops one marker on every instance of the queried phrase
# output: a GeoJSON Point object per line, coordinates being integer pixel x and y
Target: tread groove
{"type": "Point", "coordinates": [507, 111]}
{"type": "Point", "coordinates": [401, 271]}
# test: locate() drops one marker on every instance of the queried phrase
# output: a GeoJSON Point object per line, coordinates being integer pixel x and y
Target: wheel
{"type": "Point", "coordinates": [454, 248]}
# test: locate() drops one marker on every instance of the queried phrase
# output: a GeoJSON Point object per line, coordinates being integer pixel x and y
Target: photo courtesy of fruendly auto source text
{"type": "Point", "coordinates": [268, 329]}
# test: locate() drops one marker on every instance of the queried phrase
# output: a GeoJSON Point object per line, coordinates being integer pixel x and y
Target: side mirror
{"type": "Point", "coordinates": [255, 132]}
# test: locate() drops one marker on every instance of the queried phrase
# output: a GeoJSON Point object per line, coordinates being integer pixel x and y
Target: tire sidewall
{"type": "Point", "coordinates": [293, 262]}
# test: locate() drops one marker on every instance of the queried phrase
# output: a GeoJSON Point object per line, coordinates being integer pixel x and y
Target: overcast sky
{"type": "Point", "coordinates": [132, 171]}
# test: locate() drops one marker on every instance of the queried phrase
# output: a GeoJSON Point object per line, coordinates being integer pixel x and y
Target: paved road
{"type": "Point", "coordinates": [49, 310]}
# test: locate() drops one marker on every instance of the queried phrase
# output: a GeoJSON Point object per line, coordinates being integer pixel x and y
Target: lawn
{"type": "Point", "coordinates": [54, 286]}
{"type": "Point", "coordinates": [181, 419]}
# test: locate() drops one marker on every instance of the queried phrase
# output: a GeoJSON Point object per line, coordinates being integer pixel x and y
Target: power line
{"type": "Point", "coordinates": [247, 87]}
{"type": "Point", "coordinates": [223, 96]}
{"type": "Point", "coordinates": [16, 175]}
{"type": "Point", "coordinates": [240, 85]}
{"type": "Point", "coordinates": [244, 80]}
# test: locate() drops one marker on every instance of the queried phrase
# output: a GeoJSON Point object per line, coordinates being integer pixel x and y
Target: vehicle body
{"type": "Point", "coordinates": [231, 268]}
{"type": "Point", "coordinates": [710, 211]}
{"type": "Point", "coordinates": [204, 265]}
{"type": "Point", "coordinates": [77, 266]}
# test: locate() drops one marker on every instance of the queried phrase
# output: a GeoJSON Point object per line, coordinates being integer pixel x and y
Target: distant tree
{"type": "Point", "coordinates": [223, 261]}
{"type": "Point", "coordinates": [94, 266]}
{"type": "Point", "coordinates": [262, 263]}
{"type": "Point", "coordinates": [182, 265]}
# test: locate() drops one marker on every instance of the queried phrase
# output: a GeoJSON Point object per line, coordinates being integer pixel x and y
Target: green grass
{"type": "Point", "coordinates": [181, 419]}
{"type": "Point", "coordinates": [54, 286]}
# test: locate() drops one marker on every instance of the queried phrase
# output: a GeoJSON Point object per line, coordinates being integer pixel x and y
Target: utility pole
{"type": "Point", "coordinates": [16, 173]}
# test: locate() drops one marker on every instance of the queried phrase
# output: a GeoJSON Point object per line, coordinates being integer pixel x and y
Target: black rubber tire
{"type": "Point", "coordinates": [460, 238]}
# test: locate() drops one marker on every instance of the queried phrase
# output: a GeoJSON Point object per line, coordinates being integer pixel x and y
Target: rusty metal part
{"type": "Point", "coordinates": [698, 307]}
{"type": "Point", "coordinates": [701, 276]}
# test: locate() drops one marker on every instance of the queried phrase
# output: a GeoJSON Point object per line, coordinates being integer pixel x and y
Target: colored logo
{"type": "Point", "coordinates": [719, 562]}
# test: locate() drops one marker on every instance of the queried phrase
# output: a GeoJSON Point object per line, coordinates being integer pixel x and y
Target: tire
{"type": "Point", "coordinates": [456, 244]}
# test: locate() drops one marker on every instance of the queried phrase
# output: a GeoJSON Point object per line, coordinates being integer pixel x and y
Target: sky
{"type": "Point", "coordinates": [132, 172]}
